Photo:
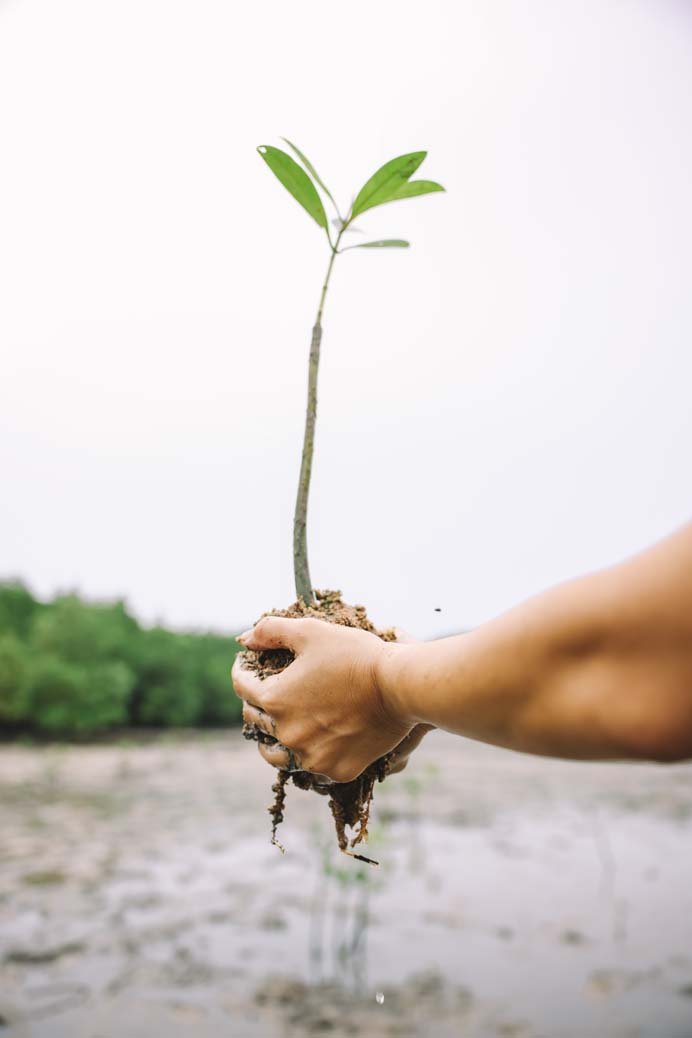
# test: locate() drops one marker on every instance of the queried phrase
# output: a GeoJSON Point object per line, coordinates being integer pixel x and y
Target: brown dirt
{"type": "Point", "coordinates": [349, 802]}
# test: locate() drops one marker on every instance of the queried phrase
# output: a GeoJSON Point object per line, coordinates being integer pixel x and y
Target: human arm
{"type": "Point", "coordinates": [597, 668]}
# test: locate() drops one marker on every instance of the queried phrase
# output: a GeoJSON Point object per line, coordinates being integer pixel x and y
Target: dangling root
{"type": "Point", "coordinates": [276, 810]}
{"type": "Point", "coordinates": [350, 804]}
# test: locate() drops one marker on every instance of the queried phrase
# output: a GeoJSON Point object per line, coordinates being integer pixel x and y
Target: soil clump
{"type": "Point", "coordinates": [349, 802]}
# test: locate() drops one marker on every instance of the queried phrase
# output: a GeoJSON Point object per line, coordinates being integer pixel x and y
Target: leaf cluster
{"type": "Point", "coordinates": [72, 667]}
{"type": "Point", "coordinates": [390, 183]}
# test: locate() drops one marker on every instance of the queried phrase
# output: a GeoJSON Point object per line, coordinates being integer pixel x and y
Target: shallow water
{"type": "Point", "coordinates": [516, 896]}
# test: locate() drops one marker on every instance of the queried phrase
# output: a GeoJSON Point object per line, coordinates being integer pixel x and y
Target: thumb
{"type": "Point", "coordinates": [274, 632]}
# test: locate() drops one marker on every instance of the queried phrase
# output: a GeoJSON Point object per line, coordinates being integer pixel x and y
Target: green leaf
{"type": "Point", "coordinates": [387, 243]}
{"type": "Point", "coordinates": [296, 181]}
{"type": "Point", "coordinates": [383, 185]}
{"type": "Point", "coordinates": [311, 170]}
{"type": "Point", "coordinates": [416, 187]}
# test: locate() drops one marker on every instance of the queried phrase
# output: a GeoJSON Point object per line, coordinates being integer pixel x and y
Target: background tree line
{"type": "Point", "coordinates": [72, 667]}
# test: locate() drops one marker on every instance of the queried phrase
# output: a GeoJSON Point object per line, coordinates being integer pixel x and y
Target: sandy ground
{"type": "Point", "coordinates": [140, 896]}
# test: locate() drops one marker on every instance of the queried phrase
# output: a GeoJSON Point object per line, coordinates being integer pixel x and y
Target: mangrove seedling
{"type": "Point", "coordinates": [349, 802]}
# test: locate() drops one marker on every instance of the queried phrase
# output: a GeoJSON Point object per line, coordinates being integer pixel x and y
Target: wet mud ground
{"type": "Point", "coordinates": [140, 896]}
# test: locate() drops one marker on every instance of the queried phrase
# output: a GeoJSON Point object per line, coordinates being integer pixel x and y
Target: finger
{"type": "Point", "coordinates": [248, 685]}
{"type": "Point", "coordinates": [275, 754]}
{"type": "Point", "coordinates": [251, 715]}
{"type": "Point", "coordinates": [408, 745]}
{"type": "Point", "coordinates": [275, 632]}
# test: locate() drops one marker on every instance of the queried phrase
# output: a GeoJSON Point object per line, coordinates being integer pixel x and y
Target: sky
{"type": "Point", "coordinates": [503, 406]}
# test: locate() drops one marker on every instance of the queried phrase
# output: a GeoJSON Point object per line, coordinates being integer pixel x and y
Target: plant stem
{"type": "Point", "coordinates": [301, 568]}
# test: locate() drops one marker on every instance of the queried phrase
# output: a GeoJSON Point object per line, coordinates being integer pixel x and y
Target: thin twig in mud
{"type": "Point", "coordinates": [318, 914]}
{"type": "Point", "coordinates": [361, 857]}
{"type": "Point", "coordinates": [359, 946]}
{"type": "Point", "coordinates": [606, 858]}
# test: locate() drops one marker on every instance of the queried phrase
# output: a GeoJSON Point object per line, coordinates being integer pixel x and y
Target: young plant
{"type": "Point", "coordinates": [392, 182]}
{"type": "Point", "coordinates": [349, 802]}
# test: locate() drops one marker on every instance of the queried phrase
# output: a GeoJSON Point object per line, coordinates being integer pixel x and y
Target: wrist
{"type": "Point", "coordinates": [395, 682]}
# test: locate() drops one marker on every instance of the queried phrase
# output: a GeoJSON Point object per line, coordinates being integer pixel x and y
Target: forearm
{"type": "Point", "coordinates": [500, 682]}
{"type": "Point", "coordinates": [600, 667]}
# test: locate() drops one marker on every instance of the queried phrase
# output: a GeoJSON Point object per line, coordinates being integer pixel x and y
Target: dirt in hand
{"type": "Point", "coordinates": [349, 802]}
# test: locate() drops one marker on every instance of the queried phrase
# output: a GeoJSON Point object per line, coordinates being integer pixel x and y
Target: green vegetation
{"type": "Point", "coordinates": [71, 667]}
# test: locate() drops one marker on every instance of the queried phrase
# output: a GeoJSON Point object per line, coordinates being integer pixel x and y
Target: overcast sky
{"type": "Point", "coordinates": [503, 406]}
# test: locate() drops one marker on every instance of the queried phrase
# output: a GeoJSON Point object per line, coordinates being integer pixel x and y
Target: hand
{"type": "Point", "coordinates": [327, 707]}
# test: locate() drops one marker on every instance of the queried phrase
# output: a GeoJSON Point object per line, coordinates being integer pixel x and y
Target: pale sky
{"type": "Point", "coordinates": [503, 406]}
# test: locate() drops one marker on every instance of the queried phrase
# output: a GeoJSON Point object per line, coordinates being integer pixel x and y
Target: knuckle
{"type": "Point", "coordinates": [271, 703]}
{"type": "Point", "coordinates": [267, 753]}
{"type": "Point", "coordinates": [263, 626]}
{"type": "Point", "coordinates": [289, 737]}
{"type": "Point", "coordinates": [278, 756]}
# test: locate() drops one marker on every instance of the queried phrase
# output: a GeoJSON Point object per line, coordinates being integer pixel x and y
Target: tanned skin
{"type": "Point", "coordinates": [599, 668]}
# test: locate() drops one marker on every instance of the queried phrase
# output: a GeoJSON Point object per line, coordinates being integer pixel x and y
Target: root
{"type": "Point", "coordinates": [350, 802]}
{"type": "Point", "coordinates": [276, 810]}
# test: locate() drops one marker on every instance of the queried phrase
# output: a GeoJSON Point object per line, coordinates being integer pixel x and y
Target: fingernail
{"type": "Point", "coordinates": [242, 638]}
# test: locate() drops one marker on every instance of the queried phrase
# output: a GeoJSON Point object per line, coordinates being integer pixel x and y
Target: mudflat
{"type": "Point", "coordinates": [140, 895]}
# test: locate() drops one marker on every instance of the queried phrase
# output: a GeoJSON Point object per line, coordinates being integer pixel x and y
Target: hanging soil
{"type": "Point", "coordinates": [349, 802]}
